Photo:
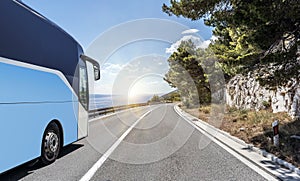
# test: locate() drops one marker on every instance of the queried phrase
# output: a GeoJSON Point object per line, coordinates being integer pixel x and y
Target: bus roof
{"type": "Point", "coordinates": [20, 2]}
{"type": "Point", "coordinates": [29, 37]}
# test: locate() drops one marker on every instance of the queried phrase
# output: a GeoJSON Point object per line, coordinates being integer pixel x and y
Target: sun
{"type": "Point", "coordinates": [134, 91]}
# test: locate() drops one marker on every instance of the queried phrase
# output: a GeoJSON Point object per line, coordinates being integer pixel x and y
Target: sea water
{"type": "Point", "coordinates": [98, 101]}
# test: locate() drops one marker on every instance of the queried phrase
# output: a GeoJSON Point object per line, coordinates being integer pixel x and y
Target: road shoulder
{"type": "Point", "coordinates": [264, 161]}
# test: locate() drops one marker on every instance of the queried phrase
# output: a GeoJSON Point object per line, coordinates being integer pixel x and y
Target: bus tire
{"type": "Point", "coordinates": [51, 144]}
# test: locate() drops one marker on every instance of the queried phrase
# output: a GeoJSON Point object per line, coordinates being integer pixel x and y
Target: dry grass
{"type": "Point", "coordinates": [255, 127]}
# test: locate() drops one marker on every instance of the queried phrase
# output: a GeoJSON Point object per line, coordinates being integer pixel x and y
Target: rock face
{"type": "Point", "coordinates": [245, 92]}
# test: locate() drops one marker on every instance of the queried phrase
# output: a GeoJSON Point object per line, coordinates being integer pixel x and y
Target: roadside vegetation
{"type": "Point", "coordinates": [255, 127]}
{"type": "Point", "coordinates": [171, 97]}
{"type": "Point", "coordinates": [155, 99]}
{"type": "Point", "coordinates": [252, 35]}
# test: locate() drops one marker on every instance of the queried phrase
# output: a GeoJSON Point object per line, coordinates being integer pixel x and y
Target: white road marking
{"type": "Point", "coordinates": [106, 155]}
{"type": "Point", "coordinates": [238, 156]}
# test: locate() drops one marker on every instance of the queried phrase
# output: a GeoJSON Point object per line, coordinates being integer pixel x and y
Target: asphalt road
{"type": "Point", "coordinates": [161, 146]}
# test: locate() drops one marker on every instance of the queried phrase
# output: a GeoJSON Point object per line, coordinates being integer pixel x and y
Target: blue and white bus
{"type": "Point", "coordinates": [44, 94]}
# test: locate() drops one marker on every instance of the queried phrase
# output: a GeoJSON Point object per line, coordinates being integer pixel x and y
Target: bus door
{"type": "Point", "coordinates": [83, 101]}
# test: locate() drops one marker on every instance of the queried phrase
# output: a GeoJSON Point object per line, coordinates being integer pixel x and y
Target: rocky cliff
{"type": "Point", "coordinates": [244, 91]}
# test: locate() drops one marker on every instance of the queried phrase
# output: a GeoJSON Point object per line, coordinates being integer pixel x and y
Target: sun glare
{"type": "Point", "coordinates": [135, 91]}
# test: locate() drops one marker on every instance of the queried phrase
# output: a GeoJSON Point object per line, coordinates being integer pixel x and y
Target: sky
{"type": "Point", "coordinates": [132, 40]}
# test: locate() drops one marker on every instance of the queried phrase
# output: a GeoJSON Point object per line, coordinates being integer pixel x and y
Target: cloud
{"type": "Point", "coordinates": [213, 38]}
{"type": "Point", "coordinates": [204, 44]}
{"type": "Point", "coordinates": [116, 78]}
{"type": "Point", "coordinates": [196, 40]}
{"type": "Point", "coordinates": [109, 68]}
{"type": "Point", "coordinates": [109, 72]}
{"type": "Point", "coordinates": [199, 43]}
{"type": "Point", "coordinates": [153, 82]}
{"type": "Point", "coordinates": [190, 31]}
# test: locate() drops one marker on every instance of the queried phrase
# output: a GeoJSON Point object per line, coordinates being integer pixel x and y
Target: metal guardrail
{"type": "Point", "coordinates": [98, 112]}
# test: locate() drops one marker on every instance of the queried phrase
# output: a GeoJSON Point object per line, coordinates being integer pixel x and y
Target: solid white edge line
{"type": "Point", "coordinates": [236, 155]}
{"type": "Point", "coordinates": [106, 155]}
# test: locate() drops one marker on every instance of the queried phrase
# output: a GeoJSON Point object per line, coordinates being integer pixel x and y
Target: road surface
{"type": "Point", "coordinates": [160, 146]}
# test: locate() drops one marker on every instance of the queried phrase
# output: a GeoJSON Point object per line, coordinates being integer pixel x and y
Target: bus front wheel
{"type": "Point", "coordinates": [51, 144]}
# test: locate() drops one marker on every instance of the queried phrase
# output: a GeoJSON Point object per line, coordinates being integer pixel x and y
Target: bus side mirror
{"type": "Point", "coordinates": [95, 64]}
{"type": "Point", "coordinates": [96, 72]}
